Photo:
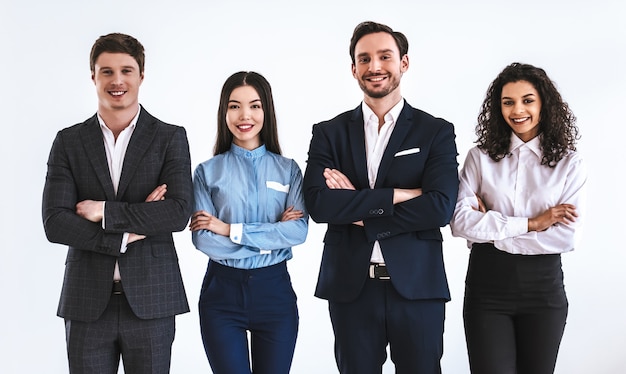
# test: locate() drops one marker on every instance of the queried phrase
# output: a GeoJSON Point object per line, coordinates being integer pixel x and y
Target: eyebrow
{"type": "Point", "coordinates": [238, 102]}
{"type": "Point", "coordinates": [123, 67]}
{"type": "Point", "coordinates": [388, 50]}
{"type": "Point", "coordinates": [509, 98]}
{"type": "Point", "coordinates": [381, 51]}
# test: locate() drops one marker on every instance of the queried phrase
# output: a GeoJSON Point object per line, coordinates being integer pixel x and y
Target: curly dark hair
{"type": "Point", "coordinates": [557, 124]}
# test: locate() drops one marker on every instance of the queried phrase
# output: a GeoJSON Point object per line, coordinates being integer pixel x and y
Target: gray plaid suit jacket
{"type": "Point", "coordinates": [78, 170]}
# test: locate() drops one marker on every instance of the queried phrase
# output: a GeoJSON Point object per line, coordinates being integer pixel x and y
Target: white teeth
{"type": "Point", "coordinates": [377, 79]}
{"type": "Point", "coordinates": [244, 127]}
{"type": "Point", "coordinates": [520, 119]}
{"type": "Point", "coordinates": [117, 93]}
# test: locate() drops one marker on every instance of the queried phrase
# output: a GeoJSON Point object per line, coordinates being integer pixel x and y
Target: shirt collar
{"type": "Point", "coordinates": [242, 152]}
{"type": "Point", "coordinates": [392, 115]}
{"type": "Point", "coordinates": [534, 144]}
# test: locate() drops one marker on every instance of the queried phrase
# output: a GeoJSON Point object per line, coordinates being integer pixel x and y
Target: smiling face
{"type": "Point", "coordinates": [521, 109]}
{"type": "Point", "coordinates": [117, 79]}
{"type": "Point", "coordinates": [378, 65]}
{"type": "Point", "coordinates": [245, 116]}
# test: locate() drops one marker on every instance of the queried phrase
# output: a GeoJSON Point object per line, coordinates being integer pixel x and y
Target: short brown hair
{"type": "Point", "coordinates": [369, 27]}
{"type": "Point", "coordinates": [117, 43]}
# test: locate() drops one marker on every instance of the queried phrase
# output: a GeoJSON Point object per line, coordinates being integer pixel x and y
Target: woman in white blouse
{"type": "Point", "coordinates": [520, 205]}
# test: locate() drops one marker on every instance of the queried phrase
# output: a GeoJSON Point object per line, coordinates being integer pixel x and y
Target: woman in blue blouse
{"type": "Point", "coordinates": [249, 212]}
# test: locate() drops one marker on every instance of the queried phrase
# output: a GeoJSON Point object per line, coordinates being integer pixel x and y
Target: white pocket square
{"type": "Point", "coordinates": [277, 186]}
{"type": "Point", "coordinates": [407, 152]}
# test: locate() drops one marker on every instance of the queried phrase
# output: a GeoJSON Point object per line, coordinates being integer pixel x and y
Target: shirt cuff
{"type": "Point", "coordinates": [516, 226]}
{"type": "Point", "coordinates": [236, 232]}
{"type": "Point", "coordinates": [103, 204]}
{"type": "Point", "coordinates": [124, 243]}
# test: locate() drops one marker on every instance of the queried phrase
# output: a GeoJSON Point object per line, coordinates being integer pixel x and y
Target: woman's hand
{"type": "Point", "coordinates": [562, 213]}
{"type": "Point", "coordinates": [290, 214]}
{"type": "Point", "coordinates": [481, 205]}
{"type": "Point", "coordinates": [202, 220]}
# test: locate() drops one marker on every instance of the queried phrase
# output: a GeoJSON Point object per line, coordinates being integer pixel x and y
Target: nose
{"type": "Point", "coordinates": [117, 78]}
{"type": "Point", "coordinates": [245, 113]}
{"type": "Point", "coordinates": [374, 65]}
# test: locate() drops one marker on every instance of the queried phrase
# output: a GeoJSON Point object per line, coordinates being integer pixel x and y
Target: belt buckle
{"type": "Point", "coordinates": [117, 288]}
{"type": "Point", "coordinates": [374, 272]}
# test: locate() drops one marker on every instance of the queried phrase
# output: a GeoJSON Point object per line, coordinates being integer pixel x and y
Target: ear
{"type": "Point", "coordinates": [93, 77]}
{"type": "Point", "coordinates": [141, 78]}
{"type": "Point", "coordinates": [353, 68]}
{"type": "Point", "coordinates": [404, 64]}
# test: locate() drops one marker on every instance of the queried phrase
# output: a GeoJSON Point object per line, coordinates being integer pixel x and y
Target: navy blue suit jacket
{"type": "Point", "coordinates": [421, 154]}
{"type": "Point", "coordinates": [78, 170]}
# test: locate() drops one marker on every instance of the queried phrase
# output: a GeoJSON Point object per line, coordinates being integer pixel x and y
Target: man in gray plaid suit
{"type": "Point", "coordinates": [117, 186]}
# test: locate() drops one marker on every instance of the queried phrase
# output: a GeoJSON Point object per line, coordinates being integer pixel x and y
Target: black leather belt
{"type": "Point", "coordinates": [379, 271]}
{"type": "Point", "coordinates": [117, 288]}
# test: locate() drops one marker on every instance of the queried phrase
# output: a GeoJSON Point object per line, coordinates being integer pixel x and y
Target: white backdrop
{"type": "Point", "coordinates": [456, 49]}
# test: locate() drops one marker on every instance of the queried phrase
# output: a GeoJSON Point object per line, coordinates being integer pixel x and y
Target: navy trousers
{"type": "Point", "coordinates": [237, 302]}
{"type": "Point", "coordinates": [514, 311]}
{"type": "Point", "coordinates": [144, 345]}
{"type": "Point", "coordinates": [363, 328]}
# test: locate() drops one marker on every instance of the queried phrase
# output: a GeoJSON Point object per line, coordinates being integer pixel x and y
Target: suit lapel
{"type": "Point", "coordinates": [356, 134]}
{"type": "Point", "coordinates": [91, 136]}
{"type": "Point", "coordinates": [403, 124]}
{"type": "Point", "coordinates": [139, 144]}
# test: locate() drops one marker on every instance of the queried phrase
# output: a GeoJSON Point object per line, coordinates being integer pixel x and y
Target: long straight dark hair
{"type": "Point", "coordinates": [269, 132]}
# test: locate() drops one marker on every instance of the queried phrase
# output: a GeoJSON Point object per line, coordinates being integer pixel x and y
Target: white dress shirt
{"type": "Point", "coordinates": [375, 144]}
{"type": "Point", "coordinates": [515, 189]}
{"type": "Point", "coordinates": [116, 151]}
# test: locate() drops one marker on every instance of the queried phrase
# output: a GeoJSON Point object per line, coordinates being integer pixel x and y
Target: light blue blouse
{"type": "Point", "coordinates": [250, 190]}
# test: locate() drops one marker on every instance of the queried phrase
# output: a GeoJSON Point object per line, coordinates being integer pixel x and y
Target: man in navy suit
{"type": "Point", "coordinates": [384, 178]}
{"type": "Point", "coordinates": [117, 186]}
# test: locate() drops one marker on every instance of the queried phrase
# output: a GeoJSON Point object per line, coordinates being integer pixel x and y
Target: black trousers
{"type": "Point", "coordinates": [514, 311]}
{"type": "Point", "coordinates": [379, 317]}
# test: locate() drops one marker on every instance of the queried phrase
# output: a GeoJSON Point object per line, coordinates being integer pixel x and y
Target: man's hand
{"type": "Point", "coordinates": [401, 195]}
{"type": "Point", "coordinates": [336, 180]}
{"type": "Point", "coordinates": [158, 194]}
{"type": "Point", "coordinates": [90, 210]}
{"type": "Point", "coordinates": [202, 220]}
{"type": "Point", "coordinates": [93, 210]}
{"type": "Point", "coordinates": [290, 214]}
{"type": "Point", "coordinates": [562, 213]}
{"type": "Point", "coordinates": [135, 237]}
